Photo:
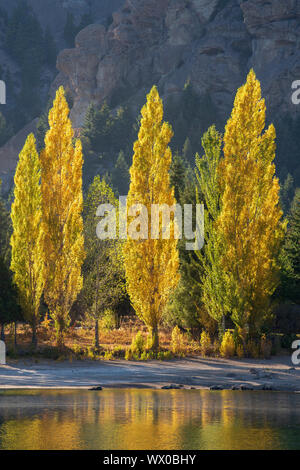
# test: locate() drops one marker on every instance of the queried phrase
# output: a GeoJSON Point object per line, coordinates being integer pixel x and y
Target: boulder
{"type": "Point", "coordinates": [216, 387]}
{"type": "Point", "coordinates": [96, 389]}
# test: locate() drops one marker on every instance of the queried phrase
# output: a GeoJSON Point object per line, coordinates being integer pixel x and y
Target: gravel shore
{"type": "Point", "coordinates": [277, 373]}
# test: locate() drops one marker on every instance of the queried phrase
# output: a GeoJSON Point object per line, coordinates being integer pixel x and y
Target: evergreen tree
{"type": "Point", "coordinates": [97, 127]}
{"type": "Point", "coordinates": [187, 150]}
{"type": "Point", "coordinates": [5, 130]}
{"type": "Point", "coordinates": [210, 262]}
{"type": "Point", "coordinates": [5, 227]}
{"type": "Point", "coordinates": [186, 308]}
{"type": "Point", "coordinates": [177, 175]}
{"type": "Point", "coordinates": [70, 30]}
{"type": "Point", "coordinates": [9, 308]}
{"type": "Point", "coordinates": [25, 43]}
{"type": "Point", "coordinates": [120, 174]}
{"type": "Point", "coordinates": [86, 19]}
{"type": "Point", "coordinates": [27, 240]}
{"type": "Point", "coordinates": [151, 265]}
{"type": "Point", "coordinates": [105, 133]}
{"type": "Point", "coordinates": [41, 129]}
{"type": "Point", "coordinates": [190, 116]}
{"type": "Point", "coordinates": [287, 193]}
{"type": "Point", "coordinates": [290, 284]}
{"type": "Point", "coordinates": [62, 204]}
{"type": "Point", "coordinates": [50, 48]}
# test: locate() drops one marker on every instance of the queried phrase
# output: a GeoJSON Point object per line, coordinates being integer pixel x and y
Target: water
{"type": "Point", "coordinates": [148, 419]}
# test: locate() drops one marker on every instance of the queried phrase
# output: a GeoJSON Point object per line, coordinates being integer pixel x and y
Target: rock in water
{"type": "Point", "coordinates": [216, 387]}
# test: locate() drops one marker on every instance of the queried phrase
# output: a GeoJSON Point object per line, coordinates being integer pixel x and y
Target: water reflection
{"type": "Point", "coordinates": [147, 419]}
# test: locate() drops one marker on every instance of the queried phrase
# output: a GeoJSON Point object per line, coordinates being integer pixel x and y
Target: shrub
{"type": "Point", "coordinates": [46, 323]}
{"type": "Point", "coordinates": [215, 348]}
{"type": "Point", "coordinates": [128, 355]}
{"type": "Point", "coordinates": [149, 342]}
{"type": "Point", "coordinates": [240, 351]}
{"type": "Point", "coordinates": [164, 355]}
{"type": "Point", "coordinates": [12, 353]}
{"type": "Point", "coordinates": [108, 355]}
{"type": "Point", "coordinates": [227, 348]}
{"type": "Point", "coordinates": [108, 321]}
{"type": "Point", "coordinates": [138, 344]}
{"type": "Point", "coordinates": [252, 349]}
{"type": "Point", "coordinates": [118, 352]}
{"type": "Point", "coordinates": [177, 343]}
{"type": "Point", "coordinates": [150, 355]}
{"type": "Point", "coordinates": [50, 353]}
{"type": "Point", "coordinates": [78, 350]}
{"type": "Point", "coordinates": [144, 356]}
{"type": "Point", "coordinates": [205, 343]}
{"type": "Point", "coordinates": [90, 353]}
{"type": "Point", "coordinates": [276, 344]}
{"type": "Point", "coordinates": [265, 347]}
{"type": "Point", "coordinates": [287, 340]}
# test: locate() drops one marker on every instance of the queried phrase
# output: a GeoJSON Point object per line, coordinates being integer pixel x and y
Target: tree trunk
{"type": "Point", "coordinates": [221, 327]}
{"type": "Point", "coordinates": [223, 323]}
{"type": "Point", "coordinates": [60, 339]}
{"type": "Point", "coordinates": [96, 334]}
{"type": "Point", "coordinates": [2, 337]}
{"type": "Point", "coordinates": [15, 335]}
{"type": "Point", "coordinates": [155, 339]}
{"type": "Point", "coordinates": [34, 337]}
{"type": "Point", "coordinates": [60, 327]}
{"type": "Point", "coordinates": [96, 310]}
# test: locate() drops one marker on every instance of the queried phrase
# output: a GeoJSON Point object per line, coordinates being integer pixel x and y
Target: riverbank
{"type": "Point", "coordinates": [277, 373]}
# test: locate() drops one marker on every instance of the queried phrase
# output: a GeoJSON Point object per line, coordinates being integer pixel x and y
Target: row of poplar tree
{"type": "Point", "coordinates": [56, 256]}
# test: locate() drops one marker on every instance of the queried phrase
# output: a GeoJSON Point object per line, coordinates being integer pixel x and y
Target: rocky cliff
{"type": "Point", "coordinates": [213, 43]}
{"type": "Point", "coordinates": [51, 15]}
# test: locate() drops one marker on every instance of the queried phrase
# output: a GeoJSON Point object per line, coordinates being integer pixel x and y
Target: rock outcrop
{"type": "Point", "coordinates": [52, 15]}
{"type": "Point", "coordinates": [213, 43]}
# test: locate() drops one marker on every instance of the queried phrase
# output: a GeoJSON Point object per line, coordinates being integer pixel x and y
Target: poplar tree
{"type": "Point", "coordinates": [62, 205]}
{"type": "Point", "coordinates": [27, 262]}
{"type": "Point", "coordinates": [151, 265]}
{"type": "Point", "coordinates": [250, 220]}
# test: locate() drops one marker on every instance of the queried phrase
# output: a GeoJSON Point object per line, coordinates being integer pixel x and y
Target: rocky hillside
{"type": "Point", "coordinates": [53, 14]}
{"type": "Point", "coordinates": [211, 43]}
{"type": "Point", "coordinates": [32, 32]}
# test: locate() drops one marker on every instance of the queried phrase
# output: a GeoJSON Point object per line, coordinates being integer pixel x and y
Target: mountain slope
{"type": "Point", "coordinates": [211, 43]}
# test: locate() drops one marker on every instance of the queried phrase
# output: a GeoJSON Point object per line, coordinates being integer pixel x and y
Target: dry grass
{"type": "Point", "coordinates": [83, 337]}
{"type": "Point", "coordinates": [114, 343]}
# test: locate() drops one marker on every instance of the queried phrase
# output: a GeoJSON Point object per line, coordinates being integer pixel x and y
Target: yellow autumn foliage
{"type": "Point", "coordinates": [250, 221]}
{"type": "Point", "coordinates": [27, 241]}
{"type": "Point", "coordinates": [61, 164]}
{"type": "Point", "coordinates": [151, 264]}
